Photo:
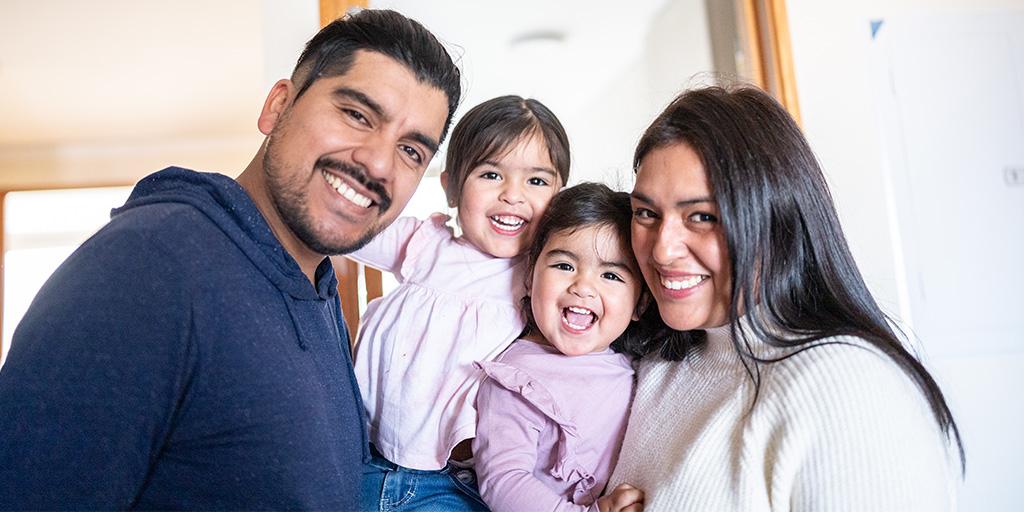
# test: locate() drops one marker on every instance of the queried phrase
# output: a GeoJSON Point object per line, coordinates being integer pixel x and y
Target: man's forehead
{"type": "Point", "coordinates": [393, 89]}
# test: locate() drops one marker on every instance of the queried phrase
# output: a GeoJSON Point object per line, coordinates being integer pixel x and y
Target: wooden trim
{"type": "Point", "coordinates": [783, 57]}
{"type": "Point", "coordinates": [43, 186]}
{"type": "Point", "coordinates": [348, 291]}
{"type": "Point", "coordinates": [374, 283]}
{"type": "Point", "coordinates": [3, 258]}
{"type": "Point", "coordinates": [767, 45]}
{"type": "Point", "coordinates": [331, 10]}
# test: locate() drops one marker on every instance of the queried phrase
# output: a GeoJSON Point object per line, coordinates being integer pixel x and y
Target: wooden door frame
{"type": "Point", "coordinates": [767, 42]}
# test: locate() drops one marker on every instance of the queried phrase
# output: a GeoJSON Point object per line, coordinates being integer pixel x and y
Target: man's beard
{"type": "Point", "coordinates": [289, 199]}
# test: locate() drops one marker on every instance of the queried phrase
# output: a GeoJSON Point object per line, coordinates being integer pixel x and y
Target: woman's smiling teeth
{"type": "Point", "coordinates": [682, 283]}
{"type": "Point", "coordinates": [578, 319]}
{"type": "Point", "coordinates": [346, 191]}
{"type": "Point", "coordinates": [507, 223]}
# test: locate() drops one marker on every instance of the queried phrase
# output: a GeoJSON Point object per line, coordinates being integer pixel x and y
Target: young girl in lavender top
{"type": "Point", "coordinates": [553, 409]}
{"type": "Point", "coordinates": [457, 302]}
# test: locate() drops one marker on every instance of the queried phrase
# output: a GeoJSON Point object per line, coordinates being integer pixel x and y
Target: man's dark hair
{"type": "Point", "coordinates": [332, 50]}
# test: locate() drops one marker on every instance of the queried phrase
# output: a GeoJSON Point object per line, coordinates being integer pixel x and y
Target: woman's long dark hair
{"type": "Point", "coordinates": [786, 246]}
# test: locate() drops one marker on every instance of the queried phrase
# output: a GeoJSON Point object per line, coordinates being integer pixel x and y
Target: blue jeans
{"type": "Point", "coordinates": [388, 487]}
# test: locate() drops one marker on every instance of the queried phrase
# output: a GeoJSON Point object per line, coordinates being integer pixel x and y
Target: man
{"type": "Point", "coordinates": [192, 354]}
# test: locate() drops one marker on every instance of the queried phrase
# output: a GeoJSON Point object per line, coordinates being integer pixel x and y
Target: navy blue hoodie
{"type": "Point", "coordinates": [180, 359]}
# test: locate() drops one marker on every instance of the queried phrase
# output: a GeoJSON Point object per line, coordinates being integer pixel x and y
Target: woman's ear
{"type": "Point", "coordinates": [641, 305]}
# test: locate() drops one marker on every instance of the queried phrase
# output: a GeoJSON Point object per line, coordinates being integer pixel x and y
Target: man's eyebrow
{"type": "Point", "coordinates": [361, 97]}
{"type": "Point", "coordinates": [426, 140]}
{"type": "Point", "coordinates": [639, 196]}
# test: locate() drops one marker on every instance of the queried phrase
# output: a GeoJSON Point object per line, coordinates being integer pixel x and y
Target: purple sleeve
{"type": "Point", "coordinates": [505, 450]}
{"type": "Point", "coordinates": [386, 251]}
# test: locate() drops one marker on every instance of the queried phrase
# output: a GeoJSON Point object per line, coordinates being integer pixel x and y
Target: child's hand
{"type": "Point", "coordinates": [624, 498]}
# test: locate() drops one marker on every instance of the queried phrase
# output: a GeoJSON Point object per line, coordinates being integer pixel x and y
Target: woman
{"type": "Point", "coordinates": [780, 385]}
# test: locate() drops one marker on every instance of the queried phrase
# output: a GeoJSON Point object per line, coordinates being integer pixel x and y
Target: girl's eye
{"type": "Point", "coordinates": [563, 266]}
{"type": "Point", "coordinates": [703, 217]}
{"type": "Point", "coordinates": [490, 175]}
{"type": "Point", "coordinates": [539, 182]}
{"type": "Point", "coordinates": [612, 276]}
{"type": "Point", "coordinates": [412, 153]}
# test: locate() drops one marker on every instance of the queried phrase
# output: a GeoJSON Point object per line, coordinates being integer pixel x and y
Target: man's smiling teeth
{"type": "Point", "coordinates": [682, 284]}
{"type": "Point", "coordinates": [578, 318]}
{"type": "Point", "coordinates": [346, 191]}
{"type": "Point", "coordinates": [507, 222]}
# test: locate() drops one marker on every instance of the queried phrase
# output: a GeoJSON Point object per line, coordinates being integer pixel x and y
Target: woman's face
{"type": "Point", "coordinates": [678, 239]}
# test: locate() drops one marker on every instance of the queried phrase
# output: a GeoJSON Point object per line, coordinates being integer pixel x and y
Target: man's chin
{"type": "Point", "coordinates": [336, 247]}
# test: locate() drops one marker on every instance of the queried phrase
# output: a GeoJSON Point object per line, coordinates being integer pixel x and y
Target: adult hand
{"type": "Point", "coordinates": [624, 498]}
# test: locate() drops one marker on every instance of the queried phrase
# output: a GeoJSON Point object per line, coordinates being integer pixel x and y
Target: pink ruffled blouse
{"type": "Point", "coordinates": [550, 427]}
{"type": "Point", "coordinates": [416, 345]}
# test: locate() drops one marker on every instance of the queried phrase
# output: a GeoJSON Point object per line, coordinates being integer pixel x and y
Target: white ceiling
{"type": "Point", "coordinates": [498, 53]}
{"type": "Point", "coordinates": [78, 72]}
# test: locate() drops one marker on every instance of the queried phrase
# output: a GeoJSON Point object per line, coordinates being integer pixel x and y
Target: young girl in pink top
{"type": "Point", "coordinates": [456, 303]}
{"type": "Point", "coordinates": [553, 409]}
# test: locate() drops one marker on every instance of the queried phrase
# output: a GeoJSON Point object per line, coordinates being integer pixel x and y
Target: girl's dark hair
{"type": "Point", "coordinates": [331, 52]}
{"type": "Point", "coordinates": [785, 243]}
{"type": "Point", "coordinates": [578, 207]}
{"type": "Point", "coordinates": [491, 128]}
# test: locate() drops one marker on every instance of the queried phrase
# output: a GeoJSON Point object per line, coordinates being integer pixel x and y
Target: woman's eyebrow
{"type": "Point", "coordinates": [639, 196]}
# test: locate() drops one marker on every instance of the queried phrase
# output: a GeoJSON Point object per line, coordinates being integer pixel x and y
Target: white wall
{"type": "Point", "coordinates": [833, 54]}
{"type": "Point", "coordinates": [87, 108]}
{"type": "Point", "coordinates": [612, 72]}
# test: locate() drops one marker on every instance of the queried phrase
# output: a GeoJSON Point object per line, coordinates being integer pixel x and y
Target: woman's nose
{"type": "Point", "coordinates": [670, 243]}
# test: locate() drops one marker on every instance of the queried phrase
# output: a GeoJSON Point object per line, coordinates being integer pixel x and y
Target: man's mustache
{"type": "Point", "coordinates": [361, 176]}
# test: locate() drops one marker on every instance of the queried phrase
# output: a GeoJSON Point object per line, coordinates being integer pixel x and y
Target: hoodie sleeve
{"type": "Point", "coordinates": [96, 370]}
{"type": "Point", "coordinates": [386, 251]}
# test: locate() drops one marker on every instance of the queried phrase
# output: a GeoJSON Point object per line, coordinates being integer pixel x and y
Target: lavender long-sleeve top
{"type": "Point", "coordinates": [550, 427]}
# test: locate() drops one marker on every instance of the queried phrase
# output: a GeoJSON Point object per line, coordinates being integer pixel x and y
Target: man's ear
{"type": "Point", "coordinates": [277, 102]}
{"type": "Point", "coordinates": [444, 185]}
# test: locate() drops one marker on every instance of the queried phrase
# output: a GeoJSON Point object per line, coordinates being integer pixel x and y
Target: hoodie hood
{"type": "Point", "coordinates": [228, 205]}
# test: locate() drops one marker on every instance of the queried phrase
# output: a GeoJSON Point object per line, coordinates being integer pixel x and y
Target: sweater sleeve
{"type": "Point", "coordinates": [505, 450]}
{"type": "Point", "coordinates": [96, 370]}
{"type": "Point", "coordinates": [869, 439]}
{"type": "Point", "coordinates": [386, 251]}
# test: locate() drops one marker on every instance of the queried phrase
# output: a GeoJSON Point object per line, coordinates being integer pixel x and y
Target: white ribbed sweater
{"type": "Point", "coordinates": [835, 428]}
